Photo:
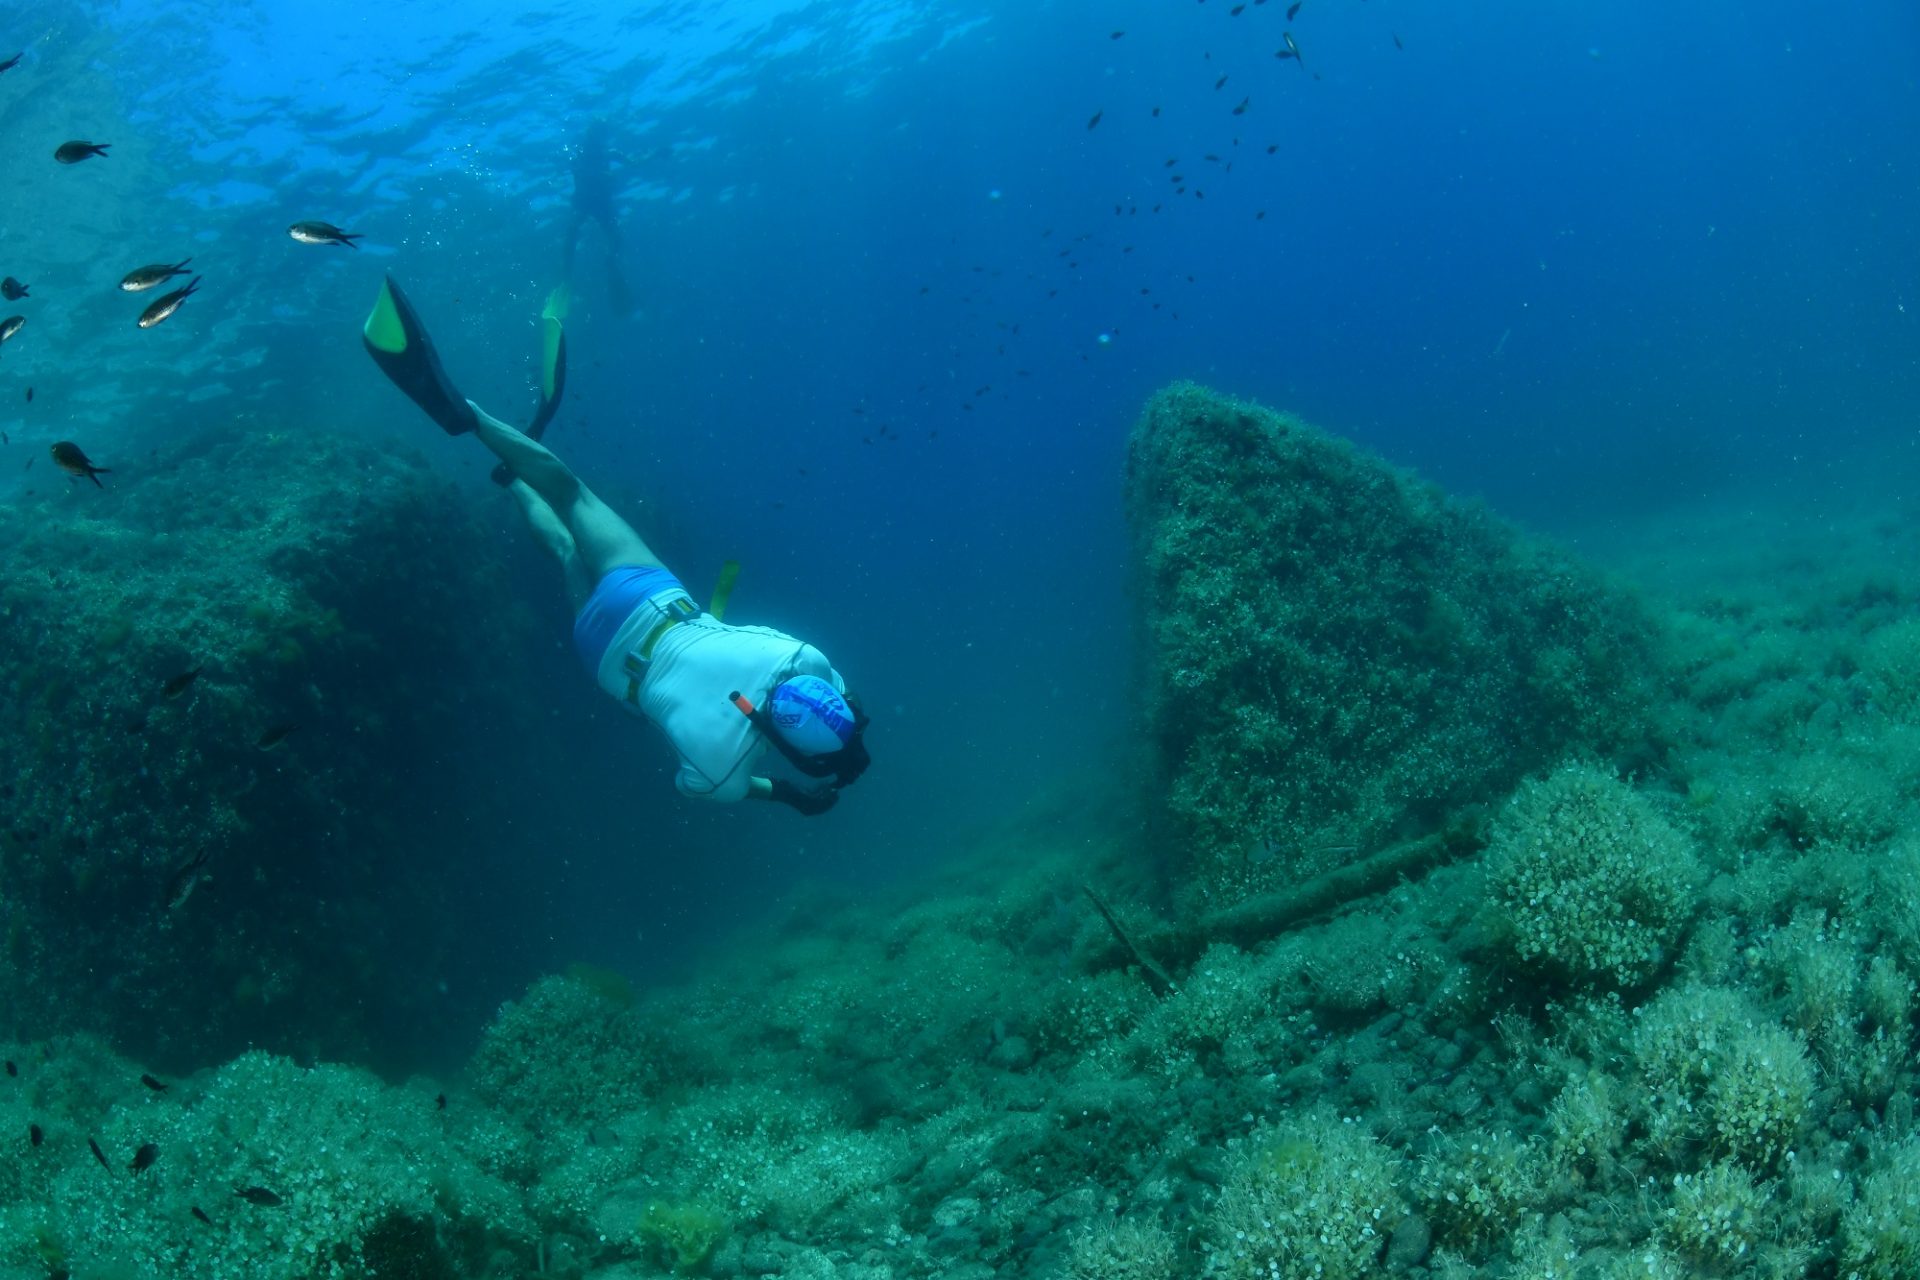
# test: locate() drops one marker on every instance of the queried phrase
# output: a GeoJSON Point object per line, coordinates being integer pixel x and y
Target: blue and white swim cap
{"type": "Point", "coordinates": [811, 715]}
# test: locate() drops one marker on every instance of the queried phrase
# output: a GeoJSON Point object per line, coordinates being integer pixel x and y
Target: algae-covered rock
{"type": "Point", "coordinates": [297, 1173]}
{"type": "Point", "coordinates": [1340, 654]}
{"type": "Point", "coordinates": [193, 861]}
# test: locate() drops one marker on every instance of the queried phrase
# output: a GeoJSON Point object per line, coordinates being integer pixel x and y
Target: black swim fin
{"type": "Point", "coordinates": [553, 370]}
{"type": "Point", "coordinates": [399, 344]}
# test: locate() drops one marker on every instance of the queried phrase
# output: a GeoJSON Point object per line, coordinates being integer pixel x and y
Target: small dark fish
{"type": "Point", "coordinates": [1242, 108]}
{"type": "Point", "coordinates": [143, 1158]}
{"type": "Point", "coordinates": [179, 684]}
{"type": "Point", "coordinates": [75, 152]}
{"type": "Point", "coordinates": [260, 1196]}
{"type": "Point", "coordinates": [166, 306]}
{"type": "Point", "coordinates": [35, 1135]}
{"type": "Point", "coordinates": [69, 458]}
{"type": "Point", "coordinates": [12, 62]}
{"type": "Point", "coordinates": [152, 274]}
{"type": "Point", "coordinates": [12, 290]}
{"type": "Point", "coordinates": [10, 326]}
{"type": "Point", "coordinates": [200, 1213]}
{"type": "Point", "coordinates": [29, 395]}
{"type": "Point", "coordinates": [1115, 36]}
{"type": "Point", "coordinates": [99, 1155]}
{"type": "Point", "coordinates": [11, 1069]}
{"type": "Point", "coordinates": [1095, 122]}
{"type": "Point", "coordinates": [1236, 11]}
{"type": "Point", "coordinates": [1397, 44]}
{"type": "Point", "coordinates": [1293, 50]}
{"type": "Point", "coordinates": [182, 883]}
{"type": "Point", "coordinates": [1219, 84]}
{"type": "Point", "coordinates": [276, 735]}
{"type": "Point", "coordinates": [1156, 113]}
{"type": "Point", "coordinates": [440, 1102]}
{"type": "Point", "coordinates": [322, 233]}
{"type": "Point", "coordinates": [601, 1136]}
{"type": "Point", "coordinates": [1293, 11]}
{"type": "Point", "coordinates": [158, 1086]}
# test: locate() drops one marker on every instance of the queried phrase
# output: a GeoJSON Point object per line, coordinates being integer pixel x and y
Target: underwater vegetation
{"type": "Point", "coordinates": [161, 821]}
{"type": "Point", "coordinates": [1647, 1013]}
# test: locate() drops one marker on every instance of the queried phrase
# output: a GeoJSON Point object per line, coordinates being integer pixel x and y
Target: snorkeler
{"type": "Point", "coordinates": [720, 693]}
{"type": "Point", "coordinates": [593, 193]}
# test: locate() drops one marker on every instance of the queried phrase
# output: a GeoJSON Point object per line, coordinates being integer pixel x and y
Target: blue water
{"type": "Point", "coordinates": [1583, 260]}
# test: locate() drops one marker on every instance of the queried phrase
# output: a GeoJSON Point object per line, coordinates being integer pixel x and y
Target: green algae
{"type": "Point", "coordinates": [682, 1235]}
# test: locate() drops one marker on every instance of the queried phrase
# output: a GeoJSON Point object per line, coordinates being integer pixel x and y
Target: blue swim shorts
{"type": "Point", "coordinates": [613, 601]}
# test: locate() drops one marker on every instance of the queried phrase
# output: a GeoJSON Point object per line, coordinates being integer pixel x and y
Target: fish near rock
{"type": "Point", "coordinates": [184, 880]}
{"type": "Point", "coordinates": [275, 735]}
{"type": "Point", "coordinates": [70, 458]}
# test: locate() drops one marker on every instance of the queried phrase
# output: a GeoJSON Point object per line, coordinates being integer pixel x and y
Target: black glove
{"type": "Point", "coordinates": [810, 803]}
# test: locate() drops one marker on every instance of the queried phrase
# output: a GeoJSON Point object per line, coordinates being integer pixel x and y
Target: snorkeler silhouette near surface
{"type": "Point", "coordinates": [593, 201]}
{"type": "Point", "coordinates": [720, 693]}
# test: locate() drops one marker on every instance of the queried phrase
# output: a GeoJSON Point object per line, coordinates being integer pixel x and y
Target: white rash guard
{"type": "Point", "coordinates": [683, 688]}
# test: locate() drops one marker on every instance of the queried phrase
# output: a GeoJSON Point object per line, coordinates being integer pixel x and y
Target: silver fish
{"type": "Point", "coordinates": [152, 274]}
{"type": "Point", "coordinates": [166, 306]}
{"type": "Point", "coordinates": [322, 233]}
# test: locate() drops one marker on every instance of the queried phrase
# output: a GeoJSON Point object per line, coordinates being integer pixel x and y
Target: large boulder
{"type": "Point", "coordinates": [193, 864]}
{"type": "Point", "coordinates": [1340, 654]}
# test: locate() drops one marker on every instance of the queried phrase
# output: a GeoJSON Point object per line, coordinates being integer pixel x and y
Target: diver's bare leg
{"type": "Point", "coordinates": [552, 534]}
{"type": "Point", "coordinates": [602, 539]}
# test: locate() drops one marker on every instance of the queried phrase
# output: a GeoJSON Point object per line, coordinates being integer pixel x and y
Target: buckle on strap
{"type": "Point", "coordinates": [677, 610]}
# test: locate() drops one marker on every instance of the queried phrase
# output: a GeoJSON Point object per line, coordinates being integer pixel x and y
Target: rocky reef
{"type": "Point", "coordinates": [1655, 1021]}
{"type": "Point", "coordinates": [228, 676]}
{"type": "Point", "coordinates": [1339, 655]}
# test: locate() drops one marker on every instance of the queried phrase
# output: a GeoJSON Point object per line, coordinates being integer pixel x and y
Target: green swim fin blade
{"type": "Point", "coordinates": [723, 589]}
{"type": "Point", "coordinates": [399, 344]}
{"type": "Point", "coordinates": [553, 373]}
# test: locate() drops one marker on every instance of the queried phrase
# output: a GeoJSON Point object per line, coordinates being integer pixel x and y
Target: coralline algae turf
{"type": "Point", "coordinates": [309, 580]}
{"type": "Point", "coordinates": [1339, 653]}
{"type": "Point", "coordinates": [1638, 1019]}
